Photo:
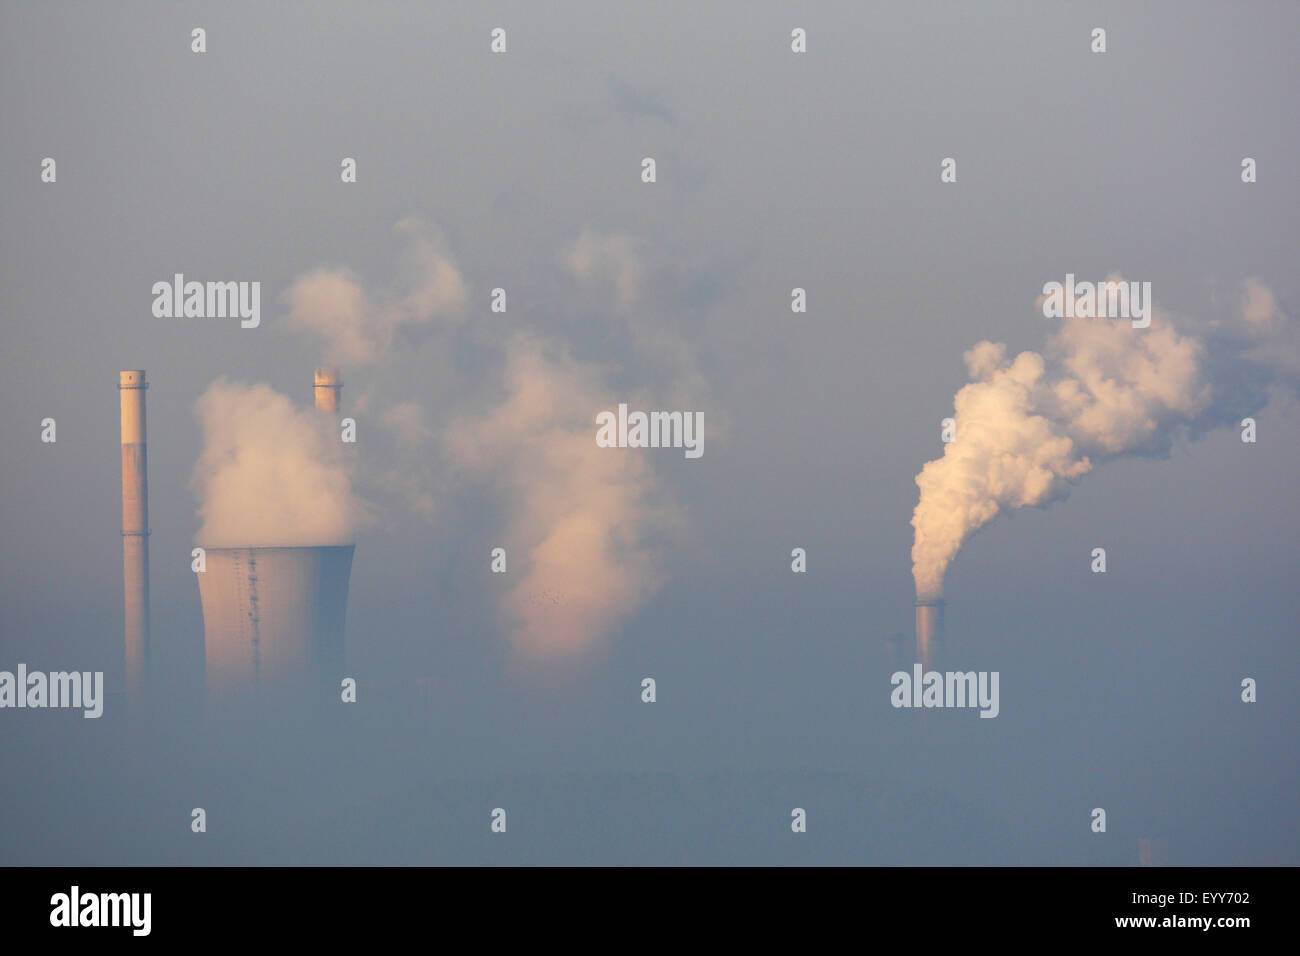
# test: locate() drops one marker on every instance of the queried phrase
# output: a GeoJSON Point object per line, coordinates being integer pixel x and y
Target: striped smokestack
{"type": "Point", "coordinates": [929, 631]}
{"type": "Point", "coordinates": [329, 389]}
{"type": "Point", "coordinates": [135, 529]}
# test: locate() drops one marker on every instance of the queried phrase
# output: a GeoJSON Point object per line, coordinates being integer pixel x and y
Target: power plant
{"type": "Point", "coordinates": [271, 615]}
{"type": "Point", "coordinates": [135, 529]}
{"type": "Point", "coordinates": [274, 616]}
{"type": "Point", "coordinates": [929, 631]}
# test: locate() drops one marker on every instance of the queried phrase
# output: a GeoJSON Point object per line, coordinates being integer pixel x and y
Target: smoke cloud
{"type": "Point", "coordinates": [412, 480]}
{"type": "Point", "coordinates": [332, 304]}
{"type": "Point", "coordinates": [608, 258]}
{"type": "Point", "coordinates": [580, 516]}
{"type": "Point", "coordinates": [1274, 340]}
{"type": "Point", "coordinates": [270, 475]}
{"type": "Point", "coordinates": [582, 524]}
{"type": "Point", "coordinates": [1027, 428]}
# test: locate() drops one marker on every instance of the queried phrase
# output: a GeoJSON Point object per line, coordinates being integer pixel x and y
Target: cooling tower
{"type": "Point", "coordinates": [273, 617]}
{"type": "Point", "coordinates": [328, 389]}
{"type": "Point", "coordinates": [135, 529]}
{"type": "Point", "coordinates": [929, 632]}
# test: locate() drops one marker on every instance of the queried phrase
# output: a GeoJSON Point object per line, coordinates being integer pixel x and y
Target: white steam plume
{"type": "Point", "coordinates": [582, 523]}
{"type": "Point", "coordinates": [580, 516]}
{"type": "Point", "coordinates": [270, 475]}
{"type": "Point", "coordinates": [1026, 428]}
{"type": "Point", "coordinates": [331, 303]}
{"type": "Point", "coordinates": [613, 258]}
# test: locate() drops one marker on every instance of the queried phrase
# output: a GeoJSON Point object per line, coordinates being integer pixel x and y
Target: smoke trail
{"type": "Point", "coordinates": [269, 475]}
{"type": "Point", "coordinates": [580, 515]}
{"type": "Point", "coordinates": [332, 304]}
{"type": "Point", "coordinates": [1027, 428]}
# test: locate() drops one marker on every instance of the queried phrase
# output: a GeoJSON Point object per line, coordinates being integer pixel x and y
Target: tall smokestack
{"type": "Point", "coordinates": [329, 389]}
{"type": "Point", "coordinates": [135, 528]}
{"type": "Point", "coordinates": [929, 632]}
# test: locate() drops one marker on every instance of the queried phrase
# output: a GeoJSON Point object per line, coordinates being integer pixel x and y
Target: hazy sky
{"type": "Point", "coordinates": [774, 170]}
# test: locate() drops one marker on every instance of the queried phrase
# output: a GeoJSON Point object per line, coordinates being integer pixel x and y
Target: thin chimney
{"type": "Point", "coordinates": [329, 389]}
{"type": "Point", "coordinates": [135, 529]}
{"type": "Point", "coordinates": [929, 632]}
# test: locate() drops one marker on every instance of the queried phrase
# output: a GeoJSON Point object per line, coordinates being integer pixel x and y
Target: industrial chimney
{"type": "Point", "coordinates": [328, 389]}
{"type": "Point", "coordinates": [929, 631]}
{"type": "Point", "coordinates": [135, 529]}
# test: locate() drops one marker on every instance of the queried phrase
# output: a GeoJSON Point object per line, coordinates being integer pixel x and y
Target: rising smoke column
{"type": "Point", "coordinates": [270, 475]}
{"type": "Point", "coordinates": [1026, 428]}
{"type": "Point", "coordinates": [579, 518]}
